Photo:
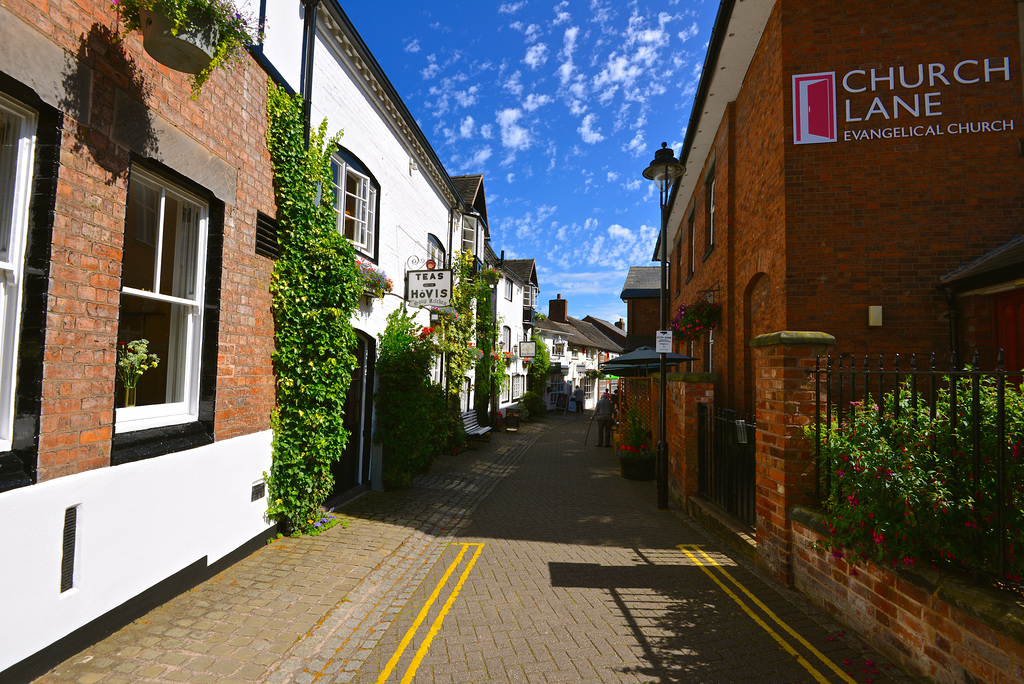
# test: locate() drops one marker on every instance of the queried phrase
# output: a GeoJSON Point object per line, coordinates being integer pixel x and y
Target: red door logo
{"type": "Point", "coordinates": [814, 108]}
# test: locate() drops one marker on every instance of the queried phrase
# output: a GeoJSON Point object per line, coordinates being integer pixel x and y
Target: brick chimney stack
{"type": "Point", "coordinates": [557, 310]}
{"type": "Point", "coordinates": [621, 324]}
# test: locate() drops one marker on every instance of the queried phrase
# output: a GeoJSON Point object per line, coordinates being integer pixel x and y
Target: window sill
{"type": "Point", "coordinates": [708, 253]}
{"type": "Point", "coordinates": [689, 278]}
{"type": "Point", "coordinates": [141, 444]}
{"type": "Point", "coordinates": [147, 417]}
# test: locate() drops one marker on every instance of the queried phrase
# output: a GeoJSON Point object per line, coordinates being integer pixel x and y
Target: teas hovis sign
{"type": "Point", "coordinates": [889, 102]}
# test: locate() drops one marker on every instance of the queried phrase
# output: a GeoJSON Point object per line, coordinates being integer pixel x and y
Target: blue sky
{"type": "Point", "coordinates": [560, 105]}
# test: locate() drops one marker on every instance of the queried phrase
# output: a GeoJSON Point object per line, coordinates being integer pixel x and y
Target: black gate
{"type": "Point", "coordinates": [726, 461]}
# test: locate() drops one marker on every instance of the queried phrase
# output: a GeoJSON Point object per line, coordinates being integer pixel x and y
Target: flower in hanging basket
{"type": "Point", "coordinates": [375, 281]}
{"type": "Point", "coordinates": [691, 320]}
{"type": "Point", "coordinates": [193, 36]}
{"type": "Point", "coordinates": [491, 276]}
{"type": "Point", "coordinates": [446, 313]}
{"type": "Point", "coordinates": [478, 353]}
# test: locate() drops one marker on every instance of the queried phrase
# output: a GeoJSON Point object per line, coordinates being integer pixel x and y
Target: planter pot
{"type": "Point", "coordinates": [191, 51]}
{"type": "Point", "coordinates": [129, 397]}
{"type": "Point", "coordinates": [636, 468]}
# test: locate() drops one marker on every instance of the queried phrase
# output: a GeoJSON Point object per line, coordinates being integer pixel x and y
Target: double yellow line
{"type": "Point", "coordinates": [410, 672]}
{"type": "Point", "coordinates": [786, 646]}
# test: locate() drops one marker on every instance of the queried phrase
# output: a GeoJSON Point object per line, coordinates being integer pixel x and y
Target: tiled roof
{"type": "Point", "coordinates": [609, 330]}
{"type": "Point", "coordinates": [642, 282]}
{"type": "Point", "coordinates": [524, 269]}
{"type": "Point", "coordinates": [471, 189]}
{"type": "Point", "coordinates": [1002, 264]}
{"type": "Point", "coordinates": [580, 333]}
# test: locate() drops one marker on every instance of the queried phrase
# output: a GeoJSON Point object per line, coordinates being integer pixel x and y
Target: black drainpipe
{"type": "Point", "coordinates": [954, 323]}
{"type": "Point", "coordinates": [308, 41]}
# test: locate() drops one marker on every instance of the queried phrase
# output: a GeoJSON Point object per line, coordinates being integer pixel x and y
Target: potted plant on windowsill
{"type": "Point", "coordinates": [191, 36]}
{"type": "Point", "coordinates": [133, 359]}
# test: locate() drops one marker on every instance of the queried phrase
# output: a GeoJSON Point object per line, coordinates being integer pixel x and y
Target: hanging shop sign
{"type": "Point", "coordinates": [890, 102]}
{"type": "Point", "coordinates": [429, 288]}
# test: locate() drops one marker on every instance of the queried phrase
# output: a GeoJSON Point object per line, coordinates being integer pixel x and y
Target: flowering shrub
{"type": "Point", "coordinates": [691, 320]}
{"type": "Point", "coordinates": [235, 31]}
{"type": "Point", "coordinates": [374, 279]}
{"type": "Point", "coordinates": [903, 484]}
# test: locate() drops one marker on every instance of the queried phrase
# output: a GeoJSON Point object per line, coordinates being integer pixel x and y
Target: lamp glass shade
{"type": "Point", "coordinates": [665, 168]}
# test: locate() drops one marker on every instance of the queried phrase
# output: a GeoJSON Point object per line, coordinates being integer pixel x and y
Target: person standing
{"type": "Point", "coordinates": [603, 414]}
{"type": "Point", "coordinates": [578, 394]}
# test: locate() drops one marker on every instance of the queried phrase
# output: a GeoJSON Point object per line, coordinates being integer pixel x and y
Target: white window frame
{"type": "Point", "coordinates": [506, 338]}
{"type": "Point", "coordinates": [435, 251]}
{"type": "Point", "coordinates": [16, 177]}
{"type": "Point", "coordinates": [711, 212]}
{"type": "Point", "coordinates": [469, 228]}
{"type": "Point", "coordinates": [528, 297]}
{"type": "Point", "coordinates": [365, 216]}
{"type": "Point", "coordinates": [558, 348]}
{"type": "Point", "coordinates": [508, 289]}
{"type": "Point", "coordinates": [189, 355]}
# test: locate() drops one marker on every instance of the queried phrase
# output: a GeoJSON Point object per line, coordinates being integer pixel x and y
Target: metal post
{"type": "Point", "coordinates": [661, 465]}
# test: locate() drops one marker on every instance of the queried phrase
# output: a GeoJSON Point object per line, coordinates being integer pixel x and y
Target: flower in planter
{"type": "Point", "coordinates": [225, 32]}
{"type": "Point", "coordinates": [691, 320]}
{"type": "Point", "coordinates": [634, 453]}
{"type": "Point", "coordinates": [374, 279]}
{"type": "Point", "coordinates": [446, 313]}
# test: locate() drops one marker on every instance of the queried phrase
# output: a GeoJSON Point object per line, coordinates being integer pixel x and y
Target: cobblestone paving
{"type": "Point", "coordinates": [527, 559]}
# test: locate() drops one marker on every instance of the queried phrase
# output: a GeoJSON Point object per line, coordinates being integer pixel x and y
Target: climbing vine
{"type": "Point", "coordinates": [315, 288]}
{"type": "Point", "coordinates": [457, 329]}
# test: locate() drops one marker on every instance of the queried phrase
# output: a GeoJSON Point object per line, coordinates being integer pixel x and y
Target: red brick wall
{"type": "Point", "coordinates": [684, 393]}
{"type": "Point", "coordinates": [877, 222]}
{"type": "Point", "coordinates": [916, 628]}
{"type": "Point", "coordinates": [229, 119]}
{"type": "Point", "coordinates": [809, 236]}
{"type": "Point", "coordinates": [644, 319]}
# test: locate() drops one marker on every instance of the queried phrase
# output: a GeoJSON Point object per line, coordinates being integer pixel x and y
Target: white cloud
{"type": "Point", "coordinates": [587, 131]}
{"type": "Point", "coordinates": [430, 71]}
{"type": "Point", "coordinates": [466, 98]}
{"type": "Point", "coordinates": [510, 178]}
{"type": "Point", "coordinates": [534, 102]}
{"type": "Point", "coordinates": [510, 7]}
{"type": "Point", "coordinates": [689, 33]}
{"type": "Point", "coordinates": [413, 45]}
{"type": "Point", "coordinates": [636, 145]}
{"type": "Point", "coordinates": [565, 69]}
{"type": "Point", "coordinates": [512, 83]}
{"type": "Point", "coordinates": [561, 15]}
{"type": "Point", "coordinates": [612, 176]}
{"type": "Point", "coordinates": [466, 129]}
{"type": "Point", "coordinates": [513, 136]}
{"type": "Point", "coordinates": [480, 156]}
{"type": "Point", "coordinates": [536, 55]}
{"type": "Point", "coordinates": [487, 131]}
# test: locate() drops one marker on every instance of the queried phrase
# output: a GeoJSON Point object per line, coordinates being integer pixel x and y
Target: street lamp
{"type": "Point", "coordinates": [664, 170]}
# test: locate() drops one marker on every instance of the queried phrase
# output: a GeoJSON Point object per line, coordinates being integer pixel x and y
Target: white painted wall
{"type": "Point", "coordinates": [282, 44]}
{"type": "Point", "coordinates": [138, 524]}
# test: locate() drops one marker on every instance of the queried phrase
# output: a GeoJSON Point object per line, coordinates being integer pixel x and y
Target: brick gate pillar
{"type": "Point", "coordinates": [685, 392]}
{"type": "Point", "coordinates": [784, 400]}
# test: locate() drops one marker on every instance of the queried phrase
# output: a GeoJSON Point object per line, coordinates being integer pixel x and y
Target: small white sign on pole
{"type": "Point", "coordinates": [429, 288]}
{"type": "Point", "coordinates": [663, 342]}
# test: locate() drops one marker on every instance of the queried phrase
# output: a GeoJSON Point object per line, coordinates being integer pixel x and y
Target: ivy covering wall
{"type": "Point", "coordinates": [315, 289]}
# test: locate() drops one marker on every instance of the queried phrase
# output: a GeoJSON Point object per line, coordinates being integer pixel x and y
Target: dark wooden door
{"type": "Point", "coordinates": [1010, 329]}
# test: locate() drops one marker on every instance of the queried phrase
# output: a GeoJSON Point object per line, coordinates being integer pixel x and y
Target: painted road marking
{"type": "Point", "coordinates": [685, 548]}
{"type": "Point", "coordinates": [422, 615]}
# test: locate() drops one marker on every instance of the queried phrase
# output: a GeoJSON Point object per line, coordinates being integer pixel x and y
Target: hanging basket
{"type": "Point", "coordinates": [190, 51]}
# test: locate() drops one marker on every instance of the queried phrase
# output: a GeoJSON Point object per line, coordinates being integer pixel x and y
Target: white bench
{"type": "Point", "coordinates": [472, 426]}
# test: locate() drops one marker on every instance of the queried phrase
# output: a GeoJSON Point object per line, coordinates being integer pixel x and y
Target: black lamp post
{"type": "Point", "coordinates": [664, 170]}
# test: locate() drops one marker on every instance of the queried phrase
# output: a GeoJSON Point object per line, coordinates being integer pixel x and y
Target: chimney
{"type": "Point", "coordinates": [621, 324]}
{"type": "Point", "coordinates": [557, 310]}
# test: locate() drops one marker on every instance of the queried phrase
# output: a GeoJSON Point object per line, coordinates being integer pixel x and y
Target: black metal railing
{"type": "Point", "coordinates": [726, 461]}
{"type": "Point", "coordinates": [959, 419]}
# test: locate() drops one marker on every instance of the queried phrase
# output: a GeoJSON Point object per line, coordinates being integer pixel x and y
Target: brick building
{"type": "Point", "coordinates": [870, 190]}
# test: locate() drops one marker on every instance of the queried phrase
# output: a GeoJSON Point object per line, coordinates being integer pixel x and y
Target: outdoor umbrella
{"type": "Point", "coordinates": [644, 357]}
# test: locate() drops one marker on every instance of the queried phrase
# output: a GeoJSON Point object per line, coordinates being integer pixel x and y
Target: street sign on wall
{"type": "Point", "coordinates": [428, 288]}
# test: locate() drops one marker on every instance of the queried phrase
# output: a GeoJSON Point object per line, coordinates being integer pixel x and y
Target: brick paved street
{"type": "Point", "coordinates": [527, 559]}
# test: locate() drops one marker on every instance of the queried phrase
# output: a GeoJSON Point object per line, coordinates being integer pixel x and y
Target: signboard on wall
{"type": "Point", "coordinates": [895, 101]}
{"type": "Point", "coordinates": [428, 288]}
